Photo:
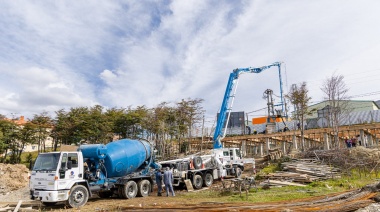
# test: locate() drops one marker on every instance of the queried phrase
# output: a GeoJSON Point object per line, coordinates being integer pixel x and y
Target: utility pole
{"type": "Point", "coordinates": [203, 126]}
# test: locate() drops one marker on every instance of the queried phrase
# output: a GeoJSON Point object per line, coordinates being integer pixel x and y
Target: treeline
{"type": "Point", "coordinates": [162, 124]}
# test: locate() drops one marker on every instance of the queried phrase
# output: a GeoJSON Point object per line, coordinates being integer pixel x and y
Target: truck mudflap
{"type": "Point", "coordinates": [49, 196]}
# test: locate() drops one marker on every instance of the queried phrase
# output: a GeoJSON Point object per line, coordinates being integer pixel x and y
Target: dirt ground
{"type": "Point", "coordinates": [14, 187]}
{"type": "Point", "coordinates": [346, 201]}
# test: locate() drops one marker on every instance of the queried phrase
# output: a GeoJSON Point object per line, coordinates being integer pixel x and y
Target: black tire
{"type": "Point", "coordinates": [130, 190]}
{"type": "Point", "coordinates": [49, 203]}
{"type": "Point", "coordinates": [197, 181]}
{"type": "Point", "coordinates": [238, 172]}
{"type": "Point", "coordinates": [197, 161]}
{"type": "Point", "coordinates": [144, 187]}
{"type": "Point", "coordinates": [78, 196]}
{"type": "Point", "coordinates": [208, 180]}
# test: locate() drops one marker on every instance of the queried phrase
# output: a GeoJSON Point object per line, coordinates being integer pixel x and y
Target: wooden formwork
{"type": "Point", "coordinates": [323, 138]}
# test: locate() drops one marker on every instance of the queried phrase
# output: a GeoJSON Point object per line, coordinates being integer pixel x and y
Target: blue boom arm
{"type": "Point", "coordinates": [228, 100]}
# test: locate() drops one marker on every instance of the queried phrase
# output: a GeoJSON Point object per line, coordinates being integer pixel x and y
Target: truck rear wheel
{"type": "Point", "coordinates": [130, 190]}
{"type": "Point", "coordinates": [144, 188]}
{"type": "Point", "coordinates": [78, 196]}
{"type": "Point", "coordinates": [197, 181]}
{"type": "Point", "coordinates": [208, 180]}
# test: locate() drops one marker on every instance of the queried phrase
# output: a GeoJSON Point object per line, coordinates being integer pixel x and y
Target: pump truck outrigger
{"type": "Point", "coordinates": [124, 168]}
{"type": "Point", "coordinates": [202, 170]}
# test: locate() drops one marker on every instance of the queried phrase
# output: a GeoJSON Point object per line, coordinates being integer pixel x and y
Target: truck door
{"type": "Point", "coordinates": [66, 173]}
{"type": "Point", "coordinates": [74, 172]}
{"type": "Point", "coordinates": [238, 154]}
{"type": "Point", "coordinates": [226, 156]}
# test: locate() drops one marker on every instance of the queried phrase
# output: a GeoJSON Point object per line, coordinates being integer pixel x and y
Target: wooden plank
{"type": "Point", "coordinates": [189, 185]}
{"type": "Point", "coordinates": [18, 206]}
{"type": "Point", "coordinates": [285, 183]}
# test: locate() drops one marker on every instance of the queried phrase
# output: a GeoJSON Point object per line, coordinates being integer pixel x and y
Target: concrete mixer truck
{"type": "Point", "coordinates": [124, 168]}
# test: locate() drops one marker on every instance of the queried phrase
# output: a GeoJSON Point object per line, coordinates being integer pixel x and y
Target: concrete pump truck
{"type": "Point", "coordinates": [202, 170]}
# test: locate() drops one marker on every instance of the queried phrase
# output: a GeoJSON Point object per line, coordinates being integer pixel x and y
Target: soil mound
{"type": "Point", "coordinates": [13, 177]}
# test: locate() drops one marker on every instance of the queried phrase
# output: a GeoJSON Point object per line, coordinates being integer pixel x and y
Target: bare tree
{"type": "Point", "coordinates": [298, 97]}
{"type": "Point", "coordinates": [335, 91]}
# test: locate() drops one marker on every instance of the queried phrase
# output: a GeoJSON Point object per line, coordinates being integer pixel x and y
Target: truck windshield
{"type": "Point", "coordinates": [46, 162]}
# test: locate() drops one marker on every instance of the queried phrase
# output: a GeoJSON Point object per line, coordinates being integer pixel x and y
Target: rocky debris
{"type": "Point", "coordinates": [13, 177]}
{"type": "Point", "coordinates": [16, 195]}
{"type": "Point", "coordinates": [375, 207]}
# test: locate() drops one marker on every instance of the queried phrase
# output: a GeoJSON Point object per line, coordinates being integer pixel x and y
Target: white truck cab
{"type": "Point", "coordinates": [57, 175]}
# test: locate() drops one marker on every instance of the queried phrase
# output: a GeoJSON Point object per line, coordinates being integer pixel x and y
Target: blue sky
{"type": "Point", "coordinates": [60, 54]}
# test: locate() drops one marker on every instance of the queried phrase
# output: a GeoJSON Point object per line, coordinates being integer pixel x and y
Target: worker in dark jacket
{"type": "Point", "coordinates": [168, 180]}
{"type": "Point", "coordinates": [159, 182]}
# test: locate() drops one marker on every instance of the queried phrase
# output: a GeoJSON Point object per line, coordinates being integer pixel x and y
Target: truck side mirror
{"type": "Point", "coordinates": [69, 164]}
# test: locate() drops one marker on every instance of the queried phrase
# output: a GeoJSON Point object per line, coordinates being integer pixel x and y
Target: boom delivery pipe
{"type": "Point", "coordinates": [229, 96]}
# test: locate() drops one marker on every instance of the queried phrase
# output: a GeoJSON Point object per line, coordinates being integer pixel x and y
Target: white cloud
{"type": "Point", "coordinates": [35, 90]}
{"type": "Point", "coordinates": [108, 76]}
{"type": "Point", "coordinates": [60, 54]}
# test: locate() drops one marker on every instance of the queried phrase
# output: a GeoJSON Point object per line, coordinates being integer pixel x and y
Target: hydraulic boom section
{"type": "Point", "coordinates": [229, 96]}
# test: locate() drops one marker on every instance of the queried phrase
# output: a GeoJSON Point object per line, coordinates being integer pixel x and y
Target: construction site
{"type": "Point", "coordinates": [197, 105]}
{"type": "Point", "coordinates": [317, 164]}
{"type": "Point", "coordinates": [327, 164]}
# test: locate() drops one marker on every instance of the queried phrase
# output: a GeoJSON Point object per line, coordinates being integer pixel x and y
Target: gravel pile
{"type": "Point", "coordinates": [13, 177]}
{"type": "Point", "coordinates": [14, 181]}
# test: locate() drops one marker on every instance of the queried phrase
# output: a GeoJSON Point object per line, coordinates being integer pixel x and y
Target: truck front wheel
{"type": "Point", "coordinates": [208, 180]}
{"type": "Point", "coordinates": [144, 188]}
{"type": "Point", "coordinates": [78, 196]}
{"type": "Point", "coordinates": [130, 190]}
{"type": "Point", "coordinates": [238, 172]}
{"type": "Point", "coordinates": [197, 181]}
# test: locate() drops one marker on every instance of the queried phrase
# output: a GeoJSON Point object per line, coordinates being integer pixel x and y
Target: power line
{"type": "Point", "coordinates": [366, 94]}
{"type": "Point", "coordinates": [257, 110]}
{"type": "Point", "coordinates": [346, 76]}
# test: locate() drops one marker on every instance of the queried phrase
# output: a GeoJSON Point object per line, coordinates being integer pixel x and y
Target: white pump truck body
{"type": "Point", "coordinates": [201, 170]}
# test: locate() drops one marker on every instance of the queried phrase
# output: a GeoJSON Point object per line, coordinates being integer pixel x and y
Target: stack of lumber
{"type": "Point", "coordinates": [312, 168]}
{"type": "Point", "coordinates": [301, 171]}
{"type": "Point", "coordinates": [291, 177]}
{"type": "Point", "coordinates": [270, 182]}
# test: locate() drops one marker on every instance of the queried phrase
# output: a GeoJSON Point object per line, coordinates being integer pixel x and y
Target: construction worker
{"type": "Point", "coordinates": [168, 180]}
{"type": "Point", "coordinates": [159, 182]}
